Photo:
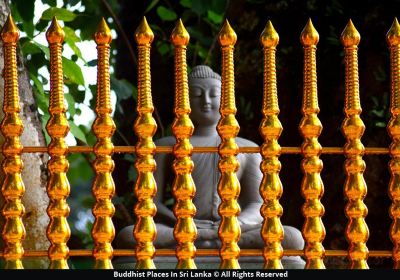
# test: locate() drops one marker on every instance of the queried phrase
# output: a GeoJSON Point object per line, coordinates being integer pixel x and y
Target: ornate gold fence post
{"type": "Point", "coordinates": [103, 127]}
{"type": "Point", "coordinates": [183, 187]}
{"type": "Point", "coordinates": [271, 129]}
{"type": "Point", "coordinates": [145, 127]}
{"type": "Point", "coordinates": [11, 127]}
{"type": "Point", "coordinates": [393, 39]}
{"type": "Point", "coordinates": [310, 127]}
{"type": "Point", "coordinates": [228, 128]}
{"type": "Point", "coordinates": [353, 128]}
{"type": "Point", "coordinates": [58, 187]}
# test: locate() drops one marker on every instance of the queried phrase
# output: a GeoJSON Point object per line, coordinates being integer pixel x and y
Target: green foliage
{"type": "Point", "coordinates": [166, 14]}
{"type": "Point", "coordinates": [202, 19]}
{"type": "Point", "coordinates": [60, 13]}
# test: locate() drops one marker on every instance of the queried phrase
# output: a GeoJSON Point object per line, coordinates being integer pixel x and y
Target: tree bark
{"type": "Point", "coordinates": [34, 173]}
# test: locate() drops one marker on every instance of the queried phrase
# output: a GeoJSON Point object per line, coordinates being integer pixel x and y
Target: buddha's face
{"type": "Point", "coordinates": [205, 95]}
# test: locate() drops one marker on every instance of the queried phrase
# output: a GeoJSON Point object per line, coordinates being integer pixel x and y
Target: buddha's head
{"type": "Point", "coordinates": [205, 95]}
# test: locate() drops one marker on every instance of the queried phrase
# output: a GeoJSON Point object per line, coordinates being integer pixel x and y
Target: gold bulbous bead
{"type": "Point", "coordinates": [350, 35]}
{"type": "Point", "coordinates": [55, 33]}
{"type": "Point", "coordinates": [269, 37]}
{"type": "Point", "coordinates": [143, 34]}
{"type": "Point", "coordinates": [309, 36]}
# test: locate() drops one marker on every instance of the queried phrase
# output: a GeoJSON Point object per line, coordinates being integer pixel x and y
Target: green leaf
{"type": "Point", "coordinates": [78, 95]}
{"type": "Point", "coordinates": [29, 47]}
{"type": "Point", "coordinates": [163, 48]}
{"type": "Point", "coordinates": [29, 28]}
{"type": "Point", "coordinates": [166, 14]}
{"type": "Point", "coordinates": [71, 38]}
{"type": "Point", "coordinates": [214, 17]}
{"type": "Point", "coordinates": [71, 104]}
{"type": "Point", "coordinates": [199, 6]}
{"type": "Point", "coordinates": [380, 124]}
{"type": "Point", "coordinates": [123, 88]}
{"type": "Point", "coordinates": [45, 118]}
{"type": "Point", "coordinates": [73, 2]}
{"type": "Point", "coordinates": [202, 52]}
{"type": "Point", "coordinates": [92, 63]}
{"type": "Point", "coordinates": [79, 170]}
{"type": "Point", "coordinates": [75, 49]}
{"type": "Point", "coordinates": [36, 83]}
{"type": "Point", "coordinates": [186, 3]}
{"type": "Point", "coordinates": [151, 5]}
{"type": "Point", "coordinates": [71, 35]}
{"type": "Point", "coordinates": [77, 132]}
{"type": "Point", "coordinates": [218, 6]}
{"type": "Point", "coordinates": [196, 34]}
{"type": "Point", "coordinates": [43, 48]}
{"type": "Point", "coordinates": [72, 71]}
{"type": "Point", "coordinates": [50, 2]}
{"type": "Point", "coordinates": [42, 100]}
{"type": "Point", "coordinates": [60, 13]}
{"type": "Point", "coordinates": [26, 9]}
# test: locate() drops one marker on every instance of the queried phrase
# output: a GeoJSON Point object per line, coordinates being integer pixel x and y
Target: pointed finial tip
{"type": "Point", "coordinates": [227, 36]}
{"type": "Point", "coordinates": [143, 34]}
{"type": "Point", "coordinates": [350, 35]}
{"type": "Point", "coordinates": [10, 32]}
{"type": "Point", "coordinates": [269, 37]}
{"type": "Point", "coordinates": [393, 35]}
{"type": "Point", "coordinates": [309, 36]}
{"type": "Point", "coordinates": [55, 33]}
{"type": "Point", "coordinates": [103, 33]}
{"type": "Point", "coordinates": [179, 36]}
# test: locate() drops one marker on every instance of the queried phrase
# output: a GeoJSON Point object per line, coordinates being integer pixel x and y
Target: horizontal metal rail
{"type": "Point", "coordinates": [168, 149]}
{"type": "Point", "coordinates": [200, 252]}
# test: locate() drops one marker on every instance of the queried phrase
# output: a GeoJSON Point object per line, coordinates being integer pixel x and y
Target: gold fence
{"type": "Point", "coordinates": [312, 188]}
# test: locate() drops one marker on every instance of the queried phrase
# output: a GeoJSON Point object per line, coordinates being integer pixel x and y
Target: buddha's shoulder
{"type": "Point", "coordinates": [165, 141]}
{"type": "Point", "coordinates": [242, 142]}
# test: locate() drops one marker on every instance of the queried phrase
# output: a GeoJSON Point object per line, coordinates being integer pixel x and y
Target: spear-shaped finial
{"type": "Point", "coordinates": [179, 36]}
{"type": "Point", "coordinates": [309, 36]}
{"type": "Point", "coordinates": [227, 36]}
{"type": "Point", "coordinates": [10, 32]}
{"type": "Point", "coordinates": [103, 33]}
{"type": "Point", "coordinates": [55, 33]}
{"type": "Point", "coordinates": [350, 35]}
{"type": "Point", "coordinates": [143, 34]}
{"type": "Point", "coordinates": [269, 37]}
{"type": "Point", "coordinates": [393, 35]}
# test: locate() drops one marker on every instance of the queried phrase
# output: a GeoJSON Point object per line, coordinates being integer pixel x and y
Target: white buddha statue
{"type": "Point", "coordinates": [205, 93]}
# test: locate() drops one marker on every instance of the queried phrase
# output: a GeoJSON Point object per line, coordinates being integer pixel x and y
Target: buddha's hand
{"type": "Point", "coordinates": [207, 234]}
{"type": "Point", "coordinates": [206, 229]}
{"type": "Point", "coordinates": [244, 227]}
{"type": "Point", "coordinates": [204, 224]}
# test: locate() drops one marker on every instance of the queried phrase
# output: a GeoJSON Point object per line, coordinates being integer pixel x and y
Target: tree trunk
{"type": "Point", "coordinates": [34, 173]}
